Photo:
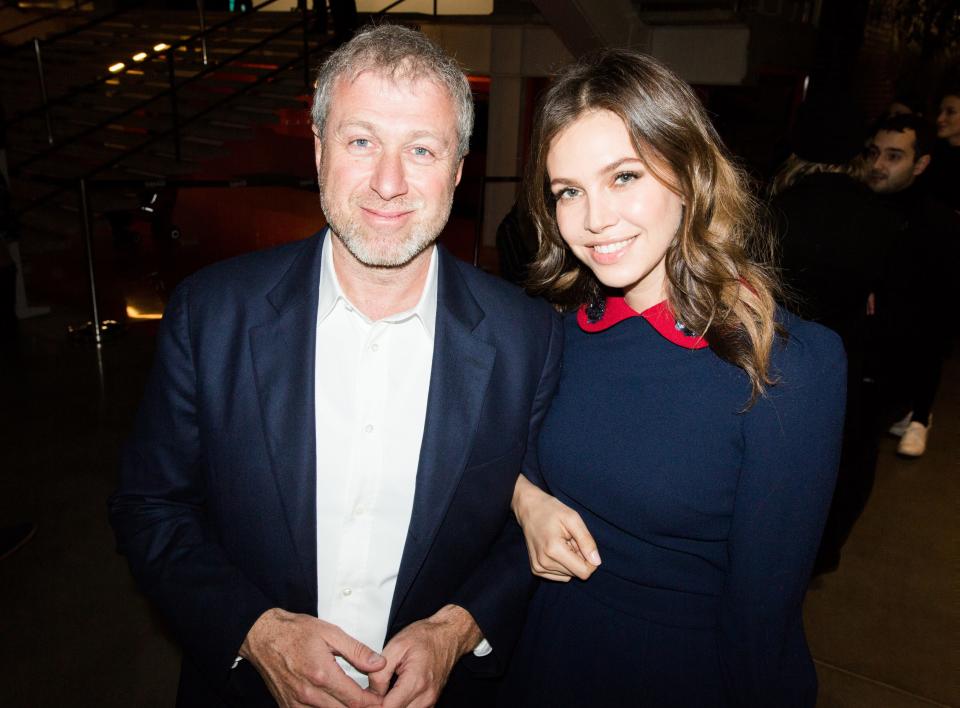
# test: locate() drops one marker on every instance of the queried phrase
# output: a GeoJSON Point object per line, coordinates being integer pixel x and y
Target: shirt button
{"type": "Point", "coordinates": [374, 347]}
{"type": "Point", "coordinates": [347, 592]}
{"type": "Point", "coordinates": [359, 511]}
{"type": "Point", "coordinates": [368, 428]}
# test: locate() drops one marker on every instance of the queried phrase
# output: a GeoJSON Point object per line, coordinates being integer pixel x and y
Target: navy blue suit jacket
{"type": "Point", "coordinates": [215, 509]}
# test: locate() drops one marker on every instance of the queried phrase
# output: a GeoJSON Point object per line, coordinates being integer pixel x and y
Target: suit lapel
{"type": "Point", "coordinates": [284, 368]}
{"type": "Point", "coordinates": [462, 364]}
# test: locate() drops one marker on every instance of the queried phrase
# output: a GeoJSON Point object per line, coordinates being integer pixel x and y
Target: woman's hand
{"type": "Point", "coordinates": [559, 545]}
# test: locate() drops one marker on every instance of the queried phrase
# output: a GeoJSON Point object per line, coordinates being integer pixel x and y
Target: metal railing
{"type": "Point", "coordinates": [46, 17]}
{"type": "Point", "coordinates": [47, 104]}
{"type": "Point", "coordinates": [35, 44]}
{"type": "Point", "coordinates": [392, 5]}
{"type": "Point", "coordinates": [177, 123]}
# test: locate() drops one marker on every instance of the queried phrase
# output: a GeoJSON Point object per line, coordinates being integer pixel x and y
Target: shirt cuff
{"type": "Point", "coordinates": [482, 649]}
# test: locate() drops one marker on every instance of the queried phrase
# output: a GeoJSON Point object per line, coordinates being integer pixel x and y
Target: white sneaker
{"type": "Point", "coordinates": [900, 427]}
{"type": "Point", "coordinates": [914, 440]}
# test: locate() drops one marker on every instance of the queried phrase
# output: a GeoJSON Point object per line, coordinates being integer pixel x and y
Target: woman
{"type": "Point", "coordinates": [694, 437]}
{"type": "Point", "coordinates": [943, 175]}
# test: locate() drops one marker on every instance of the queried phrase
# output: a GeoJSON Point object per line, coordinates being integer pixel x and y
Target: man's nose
{"type": "Point", "coordinates": [600, 215]}
{"type": "Point", "coordinates": [389, 179]}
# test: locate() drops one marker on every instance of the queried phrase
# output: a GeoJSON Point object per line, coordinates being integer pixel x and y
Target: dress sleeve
{"type": "Point", "coordinates": [791, 450]}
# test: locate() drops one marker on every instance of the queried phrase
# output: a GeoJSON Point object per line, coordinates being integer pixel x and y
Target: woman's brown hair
{"type": "Point", "coordinates": [717, 283]}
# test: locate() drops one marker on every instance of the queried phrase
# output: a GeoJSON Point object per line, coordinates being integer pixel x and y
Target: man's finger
{"type": "Point", "coordinates": [403, 691]}
{"type": "Point", "coordinates": [337, 685]}
{"type": "Point", "coordinates": [380, 680]}
{"type": "Point", "coordinates": [359, 655]}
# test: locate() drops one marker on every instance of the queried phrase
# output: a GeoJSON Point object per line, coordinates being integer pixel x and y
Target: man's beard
{"type": "Point", "coordinates": [377, 251]}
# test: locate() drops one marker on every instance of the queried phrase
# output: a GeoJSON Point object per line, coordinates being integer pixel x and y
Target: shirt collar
{"type": "Point", "coordinates": [330, 292]}
{"type": "Point", "coordinates": [615, 310]}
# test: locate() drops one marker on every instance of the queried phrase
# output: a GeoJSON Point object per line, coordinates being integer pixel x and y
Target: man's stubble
{"type": "Point", "coordinates": [374, 250]}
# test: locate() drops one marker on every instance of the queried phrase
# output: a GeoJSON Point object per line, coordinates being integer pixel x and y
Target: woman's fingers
{"type": "Point", "coordinates": [582, 539]}
{"type": "Point", "coordinates": [555, 577]}
{"type": "Point", "coordinates": [558, 542]}
{"type": "Point", "coordinates": [561, 556]}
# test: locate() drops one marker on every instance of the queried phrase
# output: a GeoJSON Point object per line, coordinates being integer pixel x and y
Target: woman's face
{"type": "Point", "coordinates": [615, 216]}
{"type": "Point", "coordinates": [948, 120]}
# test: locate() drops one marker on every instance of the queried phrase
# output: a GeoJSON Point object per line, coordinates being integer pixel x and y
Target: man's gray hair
{"type": "Point", "coordinates": [398, 53]}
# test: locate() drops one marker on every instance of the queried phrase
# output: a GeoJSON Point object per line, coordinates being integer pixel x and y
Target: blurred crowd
{"type": "Point", "coordinates": [868, 227]}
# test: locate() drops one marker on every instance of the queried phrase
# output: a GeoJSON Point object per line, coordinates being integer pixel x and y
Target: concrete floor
{"type": "Point", "coordinates": [885, 628]}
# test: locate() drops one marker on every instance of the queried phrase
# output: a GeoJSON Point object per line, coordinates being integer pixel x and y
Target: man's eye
{"type": "Point", "coordinates": [422, 152]}
{"type": "Point", "coordinates": [360, 142]}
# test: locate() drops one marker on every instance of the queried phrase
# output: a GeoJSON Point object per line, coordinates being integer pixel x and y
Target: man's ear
{"type": "Point", "coordinates": [459, 172]}
{"type": "Point", "coordinates": [317, 150]}
{"type": "Point", "coordinates": [921, 165]}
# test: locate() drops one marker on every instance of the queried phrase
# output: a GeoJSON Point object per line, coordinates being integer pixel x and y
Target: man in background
{"type": "Point", "coordinates": [913, 301]}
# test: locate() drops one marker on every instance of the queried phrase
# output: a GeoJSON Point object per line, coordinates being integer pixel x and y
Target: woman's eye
{"type": "Point", "coordinates": [625, 177]}
{"type": "Point", "coordinates": [567, 193]}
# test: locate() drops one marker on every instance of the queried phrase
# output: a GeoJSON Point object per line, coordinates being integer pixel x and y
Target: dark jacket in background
{"type": "Point", "coordinates": [942, 177]}
{"type": "Point", "coordinates": [834, 236]}
{"type": "Point", "coordinates": [919, 294]}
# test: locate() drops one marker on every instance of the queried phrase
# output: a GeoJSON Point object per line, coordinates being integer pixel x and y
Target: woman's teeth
{"type": "Point", "coordinates": [612, 247]}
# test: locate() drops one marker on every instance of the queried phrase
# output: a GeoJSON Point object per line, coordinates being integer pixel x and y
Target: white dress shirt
{"type": "Point", "coordinates": [371, 386]}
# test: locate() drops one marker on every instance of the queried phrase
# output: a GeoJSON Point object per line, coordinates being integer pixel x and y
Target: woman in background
{"type": "Point", "coordinates": [694, 438]}
{"type": "Point", "coordinates": [943, 175]}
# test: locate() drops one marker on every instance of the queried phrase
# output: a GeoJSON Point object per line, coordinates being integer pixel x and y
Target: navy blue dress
{"type": "Point", "coordinates": [707, 516]}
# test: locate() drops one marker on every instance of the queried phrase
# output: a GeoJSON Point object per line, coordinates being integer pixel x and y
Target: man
{"type": "Point", "coordinates": [328, 444]}
{"type": "Point", "coordinates": [916, 279]}
{"type": "Point", "coordinates": [898, 153]}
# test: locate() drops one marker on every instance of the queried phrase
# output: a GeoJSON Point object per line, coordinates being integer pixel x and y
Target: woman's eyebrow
{"type": "Point", "coordinates": [606, 169]}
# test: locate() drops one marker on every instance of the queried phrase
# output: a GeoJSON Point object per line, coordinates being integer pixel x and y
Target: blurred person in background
{"type": "Point", "coordinates": [914, 302]}
{"type": "Point", "coordinates": [834, 237]}
{"type": "Point", "coordinates": [943, 176]}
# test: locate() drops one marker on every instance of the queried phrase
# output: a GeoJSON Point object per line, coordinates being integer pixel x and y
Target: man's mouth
{"type": "Point", "coordinates": [387, 213]}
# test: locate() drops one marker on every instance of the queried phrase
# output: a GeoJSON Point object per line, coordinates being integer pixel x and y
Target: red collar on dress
{"type": "Point", "coordinates": [616, 310]}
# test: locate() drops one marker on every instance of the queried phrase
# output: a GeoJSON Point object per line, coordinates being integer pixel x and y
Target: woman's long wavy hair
{"type": "Point", "coordinates": [719, 282]}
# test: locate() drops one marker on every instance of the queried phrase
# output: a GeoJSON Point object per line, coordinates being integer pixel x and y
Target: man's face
{"type": "Point", "coordinates": [387, 165]}
{"type": "Point", "coordinates": [893, 162]}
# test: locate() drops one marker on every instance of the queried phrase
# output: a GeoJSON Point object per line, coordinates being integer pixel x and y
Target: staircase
{"type": "Point", "coordinates": [117, 123]}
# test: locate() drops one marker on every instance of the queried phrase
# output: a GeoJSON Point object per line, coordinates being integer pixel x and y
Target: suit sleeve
{"type": "Point", "coordinates": [791, 441]}
{"type": "Point", "coordinates": [498, 592]}
{"type": "Point", "coordinates": [158, 511]}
